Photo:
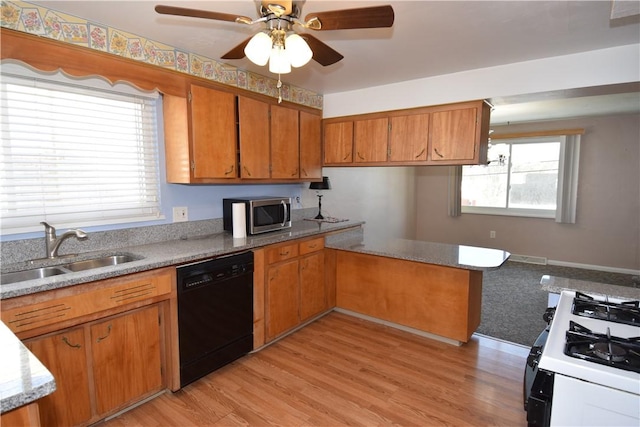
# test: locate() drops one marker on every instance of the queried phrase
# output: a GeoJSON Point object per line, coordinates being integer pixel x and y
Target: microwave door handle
{"type": "Point", "coordinates": [286, 213]}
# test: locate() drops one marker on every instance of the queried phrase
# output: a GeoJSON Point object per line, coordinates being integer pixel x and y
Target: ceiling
{"type": "Point", "coordinates": [428, 38]}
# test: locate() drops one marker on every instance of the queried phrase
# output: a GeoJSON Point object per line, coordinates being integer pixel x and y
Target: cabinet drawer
{"type": "Point", "coordinates": [282, 253]}
{"type": "Point", "coordinates": [124, 291]}
{"type": "Point", "coordinates": [311, 245]}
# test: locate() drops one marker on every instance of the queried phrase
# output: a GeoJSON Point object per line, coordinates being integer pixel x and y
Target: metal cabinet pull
{"type": "Point", "coordinates": [347, 156]}
{"type": "Point", "coordinates": [66, 341]}
{"type": "Point", "coordinates": [420, 153]}
{"type": "Point", "coordinates": [305, 172]}
{"type": "Point", "coordinates": [106, 336]}
{"type": "Point", "coordinates": [360, 155]}
{"type": "Point", "coordinates": [246, 170]}
{"type": "Point", "coordinates": [284, 253]}
{"type": "Point", "coordinates": [229, 171]}
{"type": "Point", "coordinates": [438, 153]}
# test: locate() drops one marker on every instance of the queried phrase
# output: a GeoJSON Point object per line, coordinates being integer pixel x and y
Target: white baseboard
{"type": "Point", "coordinates": [544, 261]}
{"type": "Point", "coordinates": [594, 267]}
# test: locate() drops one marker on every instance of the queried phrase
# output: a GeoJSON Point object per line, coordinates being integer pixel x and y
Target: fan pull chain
{"type": "Point", "coordinates": [279, 86]}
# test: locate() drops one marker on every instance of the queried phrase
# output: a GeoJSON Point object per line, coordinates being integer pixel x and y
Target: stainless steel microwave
{"type": "Point", "coordinates": [262, 213]}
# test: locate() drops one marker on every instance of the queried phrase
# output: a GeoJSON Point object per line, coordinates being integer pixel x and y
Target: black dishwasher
{"type": "Point", "coordinates": [215, 314]}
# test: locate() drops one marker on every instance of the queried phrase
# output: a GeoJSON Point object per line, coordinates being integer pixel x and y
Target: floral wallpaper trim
{"type": "Point", "coordinates": [41, 21]}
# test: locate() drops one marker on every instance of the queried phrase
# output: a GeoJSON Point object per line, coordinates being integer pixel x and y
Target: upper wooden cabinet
{"type": "Point", "coordinates": [371, 139]}
{"type": "Point", "coordinates": [454, 134]}
{"type": "Point", "coordinates": [219, 137]}
{"type": "Point", "coordinates": [253, 123]}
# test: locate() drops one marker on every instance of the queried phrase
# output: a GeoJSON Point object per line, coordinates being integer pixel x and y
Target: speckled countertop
{"type": "Point", "coordinates": [458, 256]}
{"type": "Point", "coordinates": [23, 378]}
{"type": "Point", "coordinates": [162, 254]}
{"type": "Point", "coordinates": [558, 284]}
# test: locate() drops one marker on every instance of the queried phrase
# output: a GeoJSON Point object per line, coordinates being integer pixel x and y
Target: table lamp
{"type": "Point", "coordinates": [323, 185]}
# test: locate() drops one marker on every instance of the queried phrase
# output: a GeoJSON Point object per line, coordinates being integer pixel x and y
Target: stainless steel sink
{"type": "Point", "coordinates": [88, 264]}
{"type": "Point", "coordinates": [99, 262]}
{"type": "Point", "coordinates": [36, 273]}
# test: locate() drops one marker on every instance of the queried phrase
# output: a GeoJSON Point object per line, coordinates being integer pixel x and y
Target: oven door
{"type": "Point", "coordinates": [538, 383]}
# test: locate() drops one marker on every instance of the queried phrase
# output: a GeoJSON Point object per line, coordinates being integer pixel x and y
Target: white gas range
{"type": "Point", "coordinates": [592, 360]}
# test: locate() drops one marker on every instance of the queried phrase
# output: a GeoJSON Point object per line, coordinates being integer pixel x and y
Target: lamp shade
{"type": "Point", "coordinates": [258, 49]}
{"type": "Point", "coordinates": [279, 61]}
{"type": "Point", "coordinates": [297, 50]}
{"type": "Point", "coordinates": [325, 184]}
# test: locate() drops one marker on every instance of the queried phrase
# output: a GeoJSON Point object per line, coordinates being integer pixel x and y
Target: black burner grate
{"type": "Point", "coordinates": [622, 353]}
{"type": "Point", "coordinates": [627, 312]}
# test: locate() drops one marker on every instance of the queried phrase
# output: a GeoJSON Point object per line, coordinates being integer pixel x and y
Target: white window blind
{"type": "Point", "coordinates": [75, 156]}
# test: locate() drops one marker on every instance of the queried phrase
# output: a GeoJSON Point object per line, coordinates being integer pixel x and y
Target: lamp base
{"type": "Point", "coordinates": [319, 216]}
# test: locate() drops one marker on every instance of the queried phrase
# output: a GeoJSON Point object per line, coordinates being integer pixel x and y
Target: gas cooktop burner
{"type": "Point", "coordinates": [627, 312]}
{"type": "Point", "coordinates": [622, 353]}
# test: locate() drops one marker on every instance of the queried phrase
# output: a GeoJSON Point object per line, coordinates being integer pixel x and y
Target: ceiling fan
{"type": "Point", "coordinates": [281, 45]}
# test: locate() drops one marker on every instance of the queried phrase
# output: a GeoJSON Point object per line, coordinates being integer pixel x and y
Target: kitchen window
{"type": "Point", "coordinates": [531, 177]}
{"type": "Point", "coordinates": [75, 152]}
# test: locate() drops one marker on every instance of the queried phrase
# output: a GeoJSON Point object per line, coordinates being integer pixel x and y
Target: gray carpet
{"type": "Point", "coordinates": [513, 302]}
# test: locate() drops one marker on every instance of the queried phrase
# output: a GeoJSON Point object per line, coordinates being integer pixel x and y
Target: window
{"type": "Point", "coordinates": [75, 155]}
{"type": "Point", "coordinates": [534, 176]}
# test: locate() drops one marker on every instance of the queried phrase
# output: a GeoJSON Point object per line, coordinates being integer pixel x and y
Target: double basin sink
{"type": "Point", "coordinates": [82, 265]}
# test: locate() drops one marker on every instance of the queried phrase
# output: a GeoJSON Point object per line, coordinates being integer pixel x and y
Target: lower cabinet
{"type": "Point", "coordinates": [112, 362]}
{"type": "Point", "coordinates": [295, 285]}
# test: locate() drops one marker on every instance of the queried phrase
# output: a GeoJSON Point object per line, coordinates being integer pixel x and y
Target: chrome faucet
{"type": "Point", "coordinates": [52, 243]}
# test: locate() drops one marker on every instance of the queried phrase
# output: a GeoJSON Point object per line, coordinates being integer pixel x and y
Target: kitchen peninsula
{"type": "Point", "coordinates": [430, 287]}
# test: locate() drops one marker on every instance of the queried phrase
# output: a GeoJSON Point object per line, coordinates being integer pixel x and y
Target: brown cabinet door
{"type": "Point", "coordinates": [285, 151]}
{"type": "Point", "coordinates": [65, 355]}
{"type": "Point", "coordinates": [408, 138]}
{"type": "Point", "coordinates": [253, 118]}
{"type": "Point", "coordinates": [313, 295]}
{"type": "Point", "coordinates": [453, 134]}
{"type": "Point", "coordinates": [338, 143]}
{"type": "Point", "coordinates": [282, 298]}
{"type": "Point", "coordinates": [213, 133]}
{"type": "Point", "coordinates": [310, 146]}
{"type": "Point", "coordinates": [371, 139]}
{"type": "Point", "coordinates": [126, 358]}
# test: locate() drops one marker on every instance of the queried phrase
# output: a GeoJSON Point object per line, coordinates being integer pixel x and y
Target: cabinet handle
{"type": "Point", "coordinates": [346, 157]}
{"type": "Point", "coordinates": [295, 173]}
{"type": "Point", "coordinates": [304, 172]}
{"type": "Point", "coordinates": [246, 170]}
{"type": "Point", "coordinates": [229, 171]}
{"type": "Point", "coordinates": [106, 336]}
{"type": "Point", "coordinates": [313, 246]}
{"type": "Point", "coordinates": [360, 155]}
{"type": "Point", "coordinates": [284, 253]}
{"type": "Point", "coordinates": [66, 341]}
{"type": "Point", "coordinates": [438, 153]}
{"type": "Point", "coordinates": [420, 153]}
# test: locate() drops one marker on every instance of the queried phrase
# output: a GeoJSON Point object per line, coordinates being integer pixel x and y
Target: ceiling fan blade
{"type": "Point", "coordinates": [196, 13]}
{"type": "Point", "coordinates": [365, 17]}
{"type": "Point", "coordinates": [237, 52]}
{"type": "Point", "coordinates": [322, 53]}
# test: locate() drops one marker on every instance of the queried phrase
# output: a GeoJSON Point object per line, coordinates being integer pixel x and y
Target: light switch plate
{"type": "Point", "coordinates": [180, 214]}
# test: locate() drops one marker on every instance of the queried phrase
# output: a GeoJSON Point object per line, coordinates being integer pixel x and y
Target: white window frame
{"type": "Point", "coordinates": [17, 217]}
{"type": "Point", "coordinates": [566, 196]}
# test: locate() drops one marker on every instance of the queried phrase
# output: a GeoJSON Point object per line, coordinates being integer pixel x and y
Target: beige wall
{"type": "Point", "coordinates": [383, 197]}
{"type": "Point", "coordinates": [607, 229]}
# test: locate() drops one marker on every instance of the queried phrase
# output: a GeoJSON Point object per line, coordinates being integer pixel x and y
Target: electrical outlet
{"type": "Point", "coordinates": [492, 234]}
{"type": "Point", "coordinates": [180, 214]}
{"type": "Point", "coordinates": [298, 199]}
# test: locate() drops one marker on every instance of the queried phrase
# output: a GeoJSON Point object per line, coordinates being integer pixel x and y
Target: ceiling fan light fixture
{"type": "Point", "coordinates": [297, 50]}
{"type": "Point", "coordinates": [258, 50]}
{"type": "Point", "coordinates": [279, 60]}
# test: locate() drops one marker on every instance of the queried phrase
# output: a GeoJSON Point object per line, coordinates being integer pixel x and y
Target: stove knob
{"type": "Point", "coordinates": [548, 314]}
{"type": "Point", "coordinates": [534, 356]}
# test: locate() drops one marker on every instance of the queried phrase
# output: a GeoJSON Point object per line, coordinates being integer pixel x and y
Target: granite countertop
{"type": "Point", "coordinates": [458, 256]}
{"type": "Point", "coordinates": [23, 379]}
{"type": "Point", "coordinates": [162, 254]}
{"type": "Point", "coordinates": [558, 284]}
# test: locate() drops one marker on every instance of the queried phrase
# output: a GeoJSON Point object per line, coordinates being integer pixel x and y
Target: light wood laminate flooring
{"type": "Point", "coordinates": [342, 370]}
